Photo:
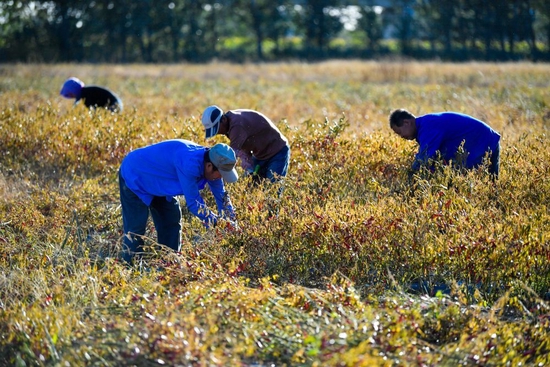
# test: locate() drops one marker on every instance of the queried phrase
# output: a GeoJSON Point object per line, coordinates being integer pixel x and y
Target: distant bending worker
{"type": "Point", "coordinates": [445, 133]}
{"type": "Point", "coordinates": [93, 96]}
{"type": "Point", "coordinates": [262, 148]}
{"type": "Point", "coordinates": [151, 177]}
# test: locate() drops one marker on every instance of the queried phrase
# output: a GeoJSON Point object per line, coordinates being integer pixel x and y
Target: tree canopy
{"type": "Point", "coordinates": [262, 30]}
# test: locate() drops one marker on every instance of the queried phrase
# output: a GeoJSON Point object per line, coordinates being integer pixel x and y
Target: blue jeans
{"type": "Point", "coordinates": [274, 167]}
{"type": "Point", "coordinates": [166, 217]}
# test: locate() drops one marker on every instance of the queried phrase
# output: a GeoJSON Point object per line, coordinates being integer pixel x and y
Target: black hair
{"type": "Point", "coordinates": [397, 117]}
{"type": "Point", "coordinates": [208, 160]}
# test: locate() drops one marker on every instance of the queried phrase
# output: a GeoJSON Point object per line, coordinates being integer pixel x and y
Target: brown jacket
{"type": "Point", "coordinates": [254, 134]}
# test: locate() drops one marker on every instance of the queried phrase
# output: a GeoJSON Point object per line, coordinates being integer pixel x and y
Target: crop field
{"type": "Point", "coordinates": [360, 266]}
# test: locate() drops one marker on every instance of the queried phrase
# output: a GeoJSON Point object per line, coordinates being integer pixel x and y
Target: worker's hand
{"type": "Point", "coordinates": [252, 171]}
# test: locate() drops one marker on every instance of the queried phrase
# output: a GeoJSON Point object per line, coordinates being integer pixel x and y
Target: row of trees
{"type": "Point", "coordinates": [238, 30]}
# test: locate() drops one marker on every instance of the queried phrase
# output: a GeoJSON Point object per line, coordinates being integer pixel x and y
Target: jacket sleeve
{"type": "Point", "coordinates": [246, 159]}
{"type": "Point", "coordinates": [194, 201]}
{"type": "Point", "coordinates": [225, 208]}
{"type": "Point", "coordinates": [430, 144]}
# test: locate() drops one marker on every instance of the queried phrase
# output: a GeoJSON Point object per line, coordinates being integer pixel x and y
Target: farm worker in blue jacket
{"type": "Point", "coordinates": [151, 177]}
{"type": "Point", "coordinates": [455, 136]}
{"type": "Point", "coordinates": [93, 96]}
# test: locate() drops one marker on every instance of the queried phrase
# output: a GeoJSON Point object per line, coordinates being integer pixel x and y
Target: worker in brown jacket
{"type": "Point", "coordinates": [263, 150]}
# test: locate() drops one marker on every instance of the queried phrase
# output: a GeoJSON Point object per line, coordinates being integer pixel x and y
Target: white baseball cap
{"type": "Point", "coordinates": [211, 120]}
{"type": "Point", "coordinates": [223, 157]}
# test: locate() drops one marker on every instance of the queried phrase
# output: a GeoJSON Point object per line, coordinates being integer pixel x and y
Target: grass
{"type": "Point", "coordinates": [359, 268]}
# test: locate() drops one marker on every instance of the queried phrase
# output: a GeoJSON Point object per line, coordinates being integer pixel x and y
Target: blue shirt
{"type": "Point", "coordinates": [171, 168]}
{"type": "Point", "coordinates": [445, 132]}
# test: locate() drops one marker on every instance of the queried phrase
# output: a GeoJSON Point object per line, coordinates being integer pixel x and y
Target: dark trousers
{"type": "Point", "coordinates": [495, 161]}
{"type": "Point", "coordinates": [275, 167]}
{"type": "Point", "coordinates": [166, 218]}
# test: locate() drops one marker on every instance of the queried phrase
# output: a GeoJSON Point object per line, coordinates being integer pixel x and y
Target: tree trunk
{"type": "Point", "coordinates": [257, 25]}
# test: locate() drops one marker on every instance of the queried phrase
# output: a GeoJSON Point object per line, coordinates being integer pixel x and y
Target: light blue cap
{"type": "Point", "coordinates": [223, 157]}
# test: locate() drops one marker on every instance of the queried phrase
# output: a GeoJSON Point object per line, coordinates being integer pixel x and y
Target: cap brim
{"type": "Point", "coordinates": [229, 176]}
{"type": "Point", "coordinates": [212, 131]}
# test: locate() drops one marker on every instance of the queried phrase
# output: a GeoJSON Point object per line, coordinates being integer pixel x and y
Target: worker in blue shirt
{"type": "Point", "coordinates": [456, 137]}
{"type": "Point", "coordinates": [151, 177]}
